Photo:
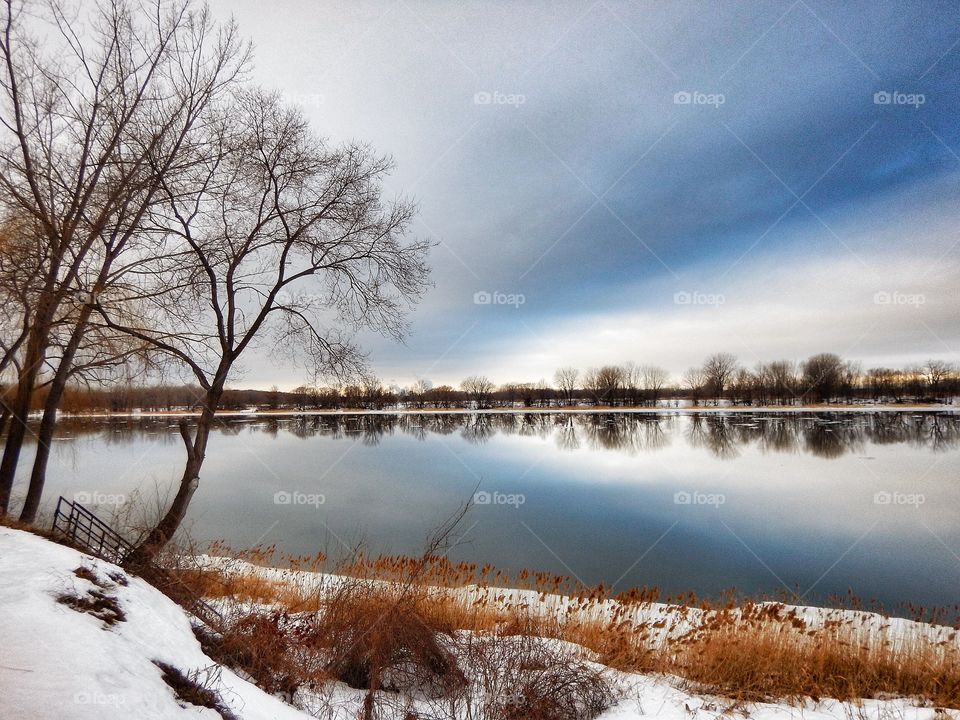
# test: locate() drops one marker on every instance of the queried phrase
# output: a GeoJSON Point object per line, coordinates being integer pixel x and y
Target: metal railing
{"type": "Point", "coordinates": [86, 530]}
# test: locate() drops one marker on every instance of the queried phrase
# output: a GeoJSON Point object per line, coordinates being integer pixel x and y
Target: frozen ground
{"type": "Point", "coordinates": [58, 662]}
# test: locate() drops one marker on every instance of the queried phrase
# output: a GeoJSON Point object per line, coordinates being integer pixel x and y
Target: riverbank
{"type": "Point", "coordinates": [90, 641]}
{"type": "Point", "coordinates": [734, 653]}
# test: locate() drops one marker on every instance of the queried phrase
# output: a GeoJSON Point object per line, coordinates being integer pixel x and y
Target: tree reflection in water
{"type": "Point", "coordinates": [725, 435]}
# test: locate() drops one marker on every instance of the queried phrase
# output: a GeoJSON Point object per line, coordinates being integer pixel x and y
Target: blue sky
{"type": "Point", "coordinates": [658, 181]}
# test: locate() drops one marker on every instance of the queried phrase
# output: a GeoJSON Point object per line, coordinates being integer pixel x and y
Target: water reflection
{"type": "Point", "coordinates": [800, 492]}
{"type": "Point", "coordinates": [725, 436]}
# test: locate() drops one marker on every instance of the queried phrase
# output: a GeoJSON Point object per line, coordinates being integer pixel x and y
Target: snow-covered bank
{"type": "Point", "coordinates": [58, 662]}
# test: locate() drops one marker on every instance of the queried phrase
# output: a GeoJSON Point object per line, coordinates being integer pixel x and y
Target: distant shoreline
{"type": "Point", "coordinates": [688, 410]}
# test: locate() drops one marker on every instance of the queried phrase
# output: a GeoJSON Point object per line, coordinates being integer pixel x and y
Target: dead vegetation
{"type": "Point", "coordinates": [437, 629]}
{"type": "Point", "coordinates": [96, 601]}
{"type": "Point", "coordinates": [198, 687]}
{"type": "Point", "coordinates": [394, 642]}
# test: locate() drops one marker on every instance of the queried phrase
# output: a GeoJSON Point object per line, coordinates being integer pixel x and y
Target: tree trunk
{"type": "Point", "coordinates": [196, 448]}
{"type": "Point", "coordinates": [44, 437]}
{"type": "Point", "coordinates": [19, 414]}
{"type": "Point", "coordinates": [48, 424]}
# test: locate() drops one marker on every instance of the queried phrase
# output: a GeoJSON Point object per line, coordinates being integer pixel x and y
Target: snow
{"type": "Point", "coordinates": [56, 662]}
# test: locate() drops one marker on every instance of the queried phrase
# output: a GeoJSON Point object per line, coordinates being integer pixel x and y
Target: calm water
{"type": "Point", "coordinates": [822, 502]}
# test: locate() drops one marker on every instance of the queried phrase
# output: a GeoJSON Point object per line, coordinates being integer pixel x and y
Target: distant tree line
{"type": "Point", "coordinates": [721, 379]}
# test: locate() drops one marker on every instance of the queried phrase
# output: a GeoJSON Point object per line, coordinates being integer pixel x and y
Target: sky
{"type": "Point", "coordinates": [649, 182]}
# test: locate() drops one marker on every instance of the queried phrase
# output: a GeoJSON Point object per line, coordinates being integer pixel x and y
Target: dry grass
{"type": "Point", "coordinates": [770, 663]}
{"type": "Point", "coordinates": [197, 687]}
{"type": "Point", "coordinates": [392, 640]}
{"type": "Point", "coordinates": [743, 650]}
{"type": "Point", "coordinates": [97, 601]}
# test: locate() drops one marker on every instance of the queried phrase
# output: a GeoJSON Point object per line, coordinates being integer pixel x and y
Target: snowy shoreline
{"type": "Point", "coordinates": [670, 621]}
{"type": "Point", "coordinates": [59, 662]}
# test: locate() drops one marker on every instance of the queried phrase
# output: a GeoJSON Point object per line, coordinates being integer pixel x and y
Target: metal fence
{"type": "Point", "coordinates": [86, 530]}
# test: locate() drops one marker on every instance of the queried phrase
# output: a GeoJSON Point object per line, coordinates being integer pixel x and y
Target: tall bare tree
{"type": "Point", "coordinates": [565, 379]}
{"type": "Point", "coordinates": [695, 380]}
{"type": "Point", "coordinates": [719, 369]}
{"type": "Point", "coordinates": [80, 351]}
{"type": "Point", "coordinates": [99, 108]}
{"type": "Point", "coordinates": [605, 383]}
{"type": "Point", "coordinates": [823, 375]}
{"type": "Point", "coordinates": [276, 235]}
{"type": "Point", "coordinates": [478, 388]}
{"type": "Point", "coordinates": [654, 379]}
{"type": "Point", "coordinates": [935, 372]}
{"type": "Point", "coordinates": [782, 376]}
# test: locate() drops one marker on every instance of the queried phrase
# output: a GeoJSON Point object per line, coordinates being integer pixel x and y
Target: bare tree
{"type": "Point", "coordinates": [782, 376]}
{"type": "Point", "coordinates": [272, 209]}
{"type": "Point", "coordinates": [632, 382]}
{"type": "Point", "coordinates": [605, 383]}
{"type": "Point", "coordinates": [695, 381]}
{"type": "Point", "coordinates": [419, 391]}
{"type": "Point", "coordinates": [743, 386]}
{"type": "Point", "coordinates": [95, 117]}
{"type": "Point", "coordinates": [566, 382]}
{"type": "Point", "coordinates": [935, 372]}
{"type": "Point", "coordinates": [719, 369]}
{"type": "Point", "coordinates": [822, 376]}
{"type": "Point", "coordinates": [654, 379]}
{"type": "Point", "coordinates": [478, 388]}
{"type": "Point", "coordinates": [80, 352]}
